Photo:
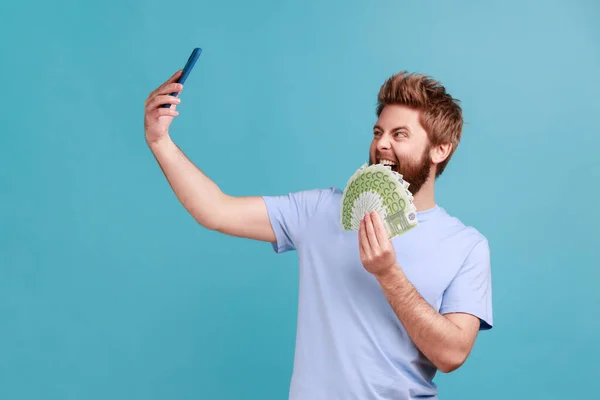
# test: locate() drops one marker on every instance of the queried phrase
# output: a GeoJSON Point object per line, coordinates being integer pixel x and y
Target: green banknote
{"type": "Point", "coordinates": [377, 188]}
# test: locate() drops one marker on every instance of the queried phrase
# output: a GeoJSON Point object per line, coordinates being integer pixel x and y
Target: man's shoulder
{"type": "Point", "coordinates": [306, 194]}
{"type": "Point", "coordinates": [320, 197]}
{"type": "Point", "coordinates": [302, 203]}
{"type": "Point", "coordinates": [460, 230]}
{"type": "Point", "coordinates": [315, 191]}
{"type": "Point", "coordinates": [469, 289]}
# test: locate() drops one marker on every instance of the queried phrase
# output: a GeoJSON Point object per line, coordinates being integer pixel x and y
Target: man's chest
{"type": "Point", "coordinates": [429, 263]}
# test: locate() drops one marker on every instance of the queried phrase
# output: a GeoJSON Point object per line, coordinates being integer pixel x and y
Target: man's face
{"type": "Point", "coordinates": [399, 137]}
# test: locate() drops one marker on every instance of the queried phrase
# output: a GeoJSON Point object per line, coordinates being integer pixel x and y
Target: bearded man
{"type": "Point", "coordinates": [377, 317]}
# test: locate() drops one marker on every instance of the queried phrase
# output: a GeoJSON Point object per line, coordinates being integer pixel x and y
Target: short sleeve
{"type": "Point", "coordinates": [289, 215]}
{"type": "Point", "coordinates": [471, 289]}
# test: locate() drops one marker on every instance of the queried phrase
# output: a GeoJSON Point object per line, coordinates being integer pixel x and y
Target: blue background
{"type": "Point", "coordinates": [109, 289]}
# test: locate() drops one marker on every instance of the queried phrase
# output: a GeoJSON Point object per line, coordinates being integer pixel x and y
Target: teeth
{"type": "Point", "coordinates": [387, 162]}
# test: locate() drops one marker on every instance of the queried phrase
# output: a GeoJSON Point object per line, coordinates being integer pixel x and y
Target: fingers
{"type": "Point", "coordinates": [170, 85]}
{"type": "Point", "coordinates": [170, 88]}
{"type": "Point", "coordinates": [371, 231]}
{"type": "Point", "coordinates": [380, 232]}
{"type": "Point", "coordinates": [172, 80]}
{"type": "Point", "coordinates": [161, 112]}
{"type": "Point", "coordinates": [364, 241]}
{"type": "Point", "coordinates": [166, 89]}
{"type": "Point", "coordinates": [174, 77]}
{"type": "Point", "coordinates": [159, 100]}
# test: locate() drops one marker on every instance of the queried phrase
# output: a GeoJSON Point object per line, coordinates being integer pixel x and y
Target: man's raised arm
{"type": "Point", "coordinates": [202, 198]}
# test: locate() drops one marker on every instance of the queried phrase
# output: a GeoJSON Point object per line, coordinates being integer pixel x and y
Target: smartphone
{"type": "Point", "coordinates": [186, 70]}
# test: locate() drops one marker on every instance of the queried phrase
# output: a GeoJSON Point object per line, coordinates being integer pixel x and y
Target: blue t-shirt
{"type": "Point", "coordinates": [349, 342]}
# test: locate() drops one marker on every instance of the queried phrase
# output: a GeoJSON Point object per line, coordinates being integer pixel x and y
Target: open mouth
{"type": "Point", "coordinates": [391, 164]}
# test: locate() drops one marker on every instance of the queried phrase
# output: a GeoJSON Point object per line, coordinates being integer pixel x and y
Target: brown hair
{"type": "Point", "coordinates": [441, 115]}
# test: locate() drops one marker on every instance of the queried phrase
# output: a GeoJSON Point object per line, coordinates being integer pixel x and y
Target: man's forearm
{"type": "Point", "coordinates": [197, 193]}
{"type": "Point", "coordinates": [438, 338]}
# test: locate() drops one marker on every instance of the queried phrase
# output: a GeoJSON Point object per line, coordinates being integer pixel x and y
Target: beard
{"type": "Point", "coordinates": [415, 173]}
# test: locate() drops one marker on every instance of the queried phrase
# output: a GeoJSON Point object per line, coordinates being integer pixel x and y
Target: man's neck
{"type": "Point", "coordinates": [425, 197]}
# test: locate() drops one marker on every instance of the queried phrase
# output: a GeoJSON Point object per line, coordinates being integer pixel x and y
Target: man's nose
{"type": "Point", "coordinates": [383, 143]}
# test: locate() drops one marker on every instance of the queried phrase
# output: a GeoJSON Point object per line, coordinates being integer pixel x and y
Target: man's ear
{"type": "Point", "coordinates": [440, 152]}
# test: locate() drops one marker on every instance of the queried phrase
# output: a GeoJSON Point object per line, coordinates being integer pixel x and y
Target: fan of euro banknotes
{"type": "Point", "coordinates": [376, 187]}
